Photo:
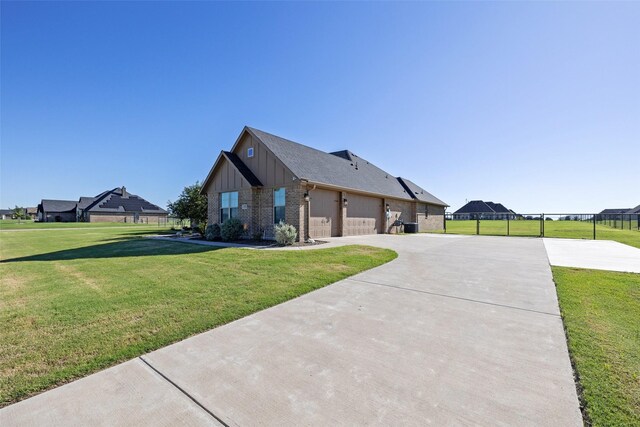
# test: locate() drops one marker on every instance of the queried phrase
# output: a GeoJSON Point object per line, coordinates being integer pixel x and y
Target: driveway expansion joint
{"type": "Point", "coordinates": [453, 297]}
{"type": "Point", "coordinates": [183, 391]}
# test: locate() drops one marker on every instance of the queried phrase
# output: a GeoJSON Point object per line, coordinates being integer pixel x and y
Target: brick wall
{"type": "Point", "coordinates": [258, 215]}
{"type": "Point", "coordinates": [402, 210]}
{"type": "Point", "coordinates": [434, 219]}
{"type": "Point", "coordinates": [128, 218]}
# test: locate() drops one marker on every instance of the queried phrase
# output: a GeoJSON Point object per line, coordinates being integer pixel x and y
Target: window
{"type": "Point", "coordinates": [250, 152]}
{"type": "Point", "coordinates": [228, 205]}
{"type": "Point", "coordinates": [278, 205]}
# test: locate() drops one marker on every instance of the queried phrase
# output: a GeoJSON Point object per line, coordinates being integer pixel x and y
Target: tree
{"type": "Point", "coordinates": [190, 205]}
{"type": "Point", "coordinates": [19, 213]}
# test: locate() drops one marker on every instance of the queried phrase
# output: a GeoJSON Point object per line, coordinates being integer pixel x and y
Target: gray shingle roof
{"type": "Point", "coordinates": [243, 169]}
{"type": "Point", "coordinates": [475, 206]}
{"type": "Point", "coordinates": [85, 201]}
{"type": "Point", "coordinates": [635, 210]}
{"type": "Point", "coordinates": [420, 193]}
{"type": "Point", "coordinates": [615, 211]}
{"type": "Point", "coordinates": [341, 169]}
{"type": "Point", "coordinates": [58, 205]}
{"type": "Point", "coordinates": [115, 201]}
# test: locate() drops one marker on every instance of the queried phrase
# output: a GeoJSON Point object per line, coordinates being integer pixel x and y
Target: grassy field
{"type": "Point", "coordinates": [601, 312]}
{"type": "Point", "coordinates": [564, 229]}
{"type": "Point", "coordinates": [14, 224]}
{"type": "Point", "coordinates": [75, 301]}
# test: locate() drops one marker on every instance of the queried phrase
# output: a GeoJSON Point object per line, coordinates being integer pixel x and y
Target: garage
{"type": "Point", "coordinates": [364, 215]}
{"type": "Point", "coordinates": [324, 211]}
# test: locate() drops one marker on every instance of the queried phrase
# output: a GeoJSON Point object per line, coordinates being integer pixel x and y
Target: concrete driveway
{"type": "Point", "coordinates": [459, 330]}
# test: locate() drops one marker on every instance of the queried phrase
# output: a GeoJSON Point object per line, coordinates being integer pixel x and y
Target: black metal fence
{"type": "Point", "coordinates": [569, 225]}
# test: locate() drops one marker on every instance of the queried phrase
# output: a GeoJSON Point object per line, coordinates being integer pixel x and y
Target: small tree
{"type": "Point", "coordinates": [190, 205]}
{"type": "Point", "coordinates": [19, 213]}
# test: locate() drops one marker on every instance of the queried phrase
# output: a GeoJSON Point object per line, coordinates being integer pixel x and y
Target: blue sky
{"type": "Point", "coordinates": [534, 105]}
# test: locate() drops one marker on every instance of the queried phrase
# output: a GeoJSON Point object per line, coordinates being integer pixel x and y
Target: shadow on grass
{"type": "Point", "coordinates": [122, 248]}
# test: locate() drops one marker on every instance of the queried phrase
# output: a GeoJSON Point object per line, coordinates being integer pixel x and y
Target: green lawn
{"type": "Point", "coordinates": [565, 229]}
{"type": "Point", "coordinates": [601, 312]}
{"type": "Point", "coordinates": [14, 224]}
{"type": "Point", "coordinates": [75, 301]}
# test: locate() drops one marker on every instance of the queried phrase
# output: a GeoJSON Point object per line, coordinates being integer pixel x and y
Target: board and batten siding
{"type": "Point", "coordinates": [270, 170]}
{"type": "Point", "coordinates": [227, 178]}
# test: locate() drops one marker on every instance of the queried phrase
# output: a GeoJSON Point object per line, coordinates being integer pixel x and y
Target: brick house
{"type": "Point", "coordinates": [264, 179]}
{"type": "Point", "coordinates": [478, 209]}
{"type": "Point", "coordinates": [116, 205]}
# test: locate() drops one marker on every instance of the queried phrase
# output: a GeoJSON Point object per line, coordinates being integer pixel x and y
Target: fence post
{"type": "Point", "coordinates": [477, 226]}
{"type": "Point", "coordinates": [541, 225]}
{"type": "Point", "coordinates": [508, 224]}
{"type": "Point", "coordinates": [594, 227]}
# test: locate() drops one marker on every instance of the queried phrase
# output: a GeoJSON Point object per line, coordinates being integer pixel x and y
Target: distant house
{"type": "Point", "coordinates": [613, 213]}
{"type": "Point", "coordinates": [478, 209]}
{"type": "Point", "coordinates": [56, 210]}
{"type": "Point", "coordinates": [635, 210]}
{"type": "Point", "coordinates": [264, 179]}
{"type": "Point", "coordinates": [6, 213]}
{"type": "Point", "coordinates": [116, 205]}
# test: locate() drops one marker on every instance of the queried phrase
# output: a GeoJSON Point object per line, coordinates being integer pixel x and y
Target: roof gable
{"type": "Point", "coordinates": [242, 169]}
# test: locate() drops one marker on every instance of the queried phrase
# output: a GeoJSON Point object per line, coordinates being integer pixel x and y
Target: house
{"type": "Point", "coordinates": [56, 210]}
{"type": "Point", "coordinates": [265, 179]}
{"type": "Point", "coordinates": [633, 211]}
{"type": "Point", "coordinates": [478, 209]}
{"type": "Point", "coordinates": [116, 205]}
{"type": "Point", "coordinates": [6, 213]}
{"type": "Point", "coordinates": [613, 213]}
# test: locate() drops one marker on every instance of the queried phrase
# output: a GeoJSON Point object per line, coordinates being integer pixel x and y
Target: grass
{"type": "Point", "coordinates": [563, 229]}
{"type": "Point", "coordinates": [14, 224]}
{"type": "Point", "coordinates": [76, 301]}
{"type": "Point", "coordinates": [601, 313]}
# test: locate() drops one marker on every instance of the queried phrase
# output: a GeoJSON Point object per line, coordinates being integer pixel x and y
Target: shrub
{"type": "Point", "coordinates": [212, 232]}
{"type": "Point", "coordinates": [231, 229]}
{"type": "Point", "coordinates": [285, 233]}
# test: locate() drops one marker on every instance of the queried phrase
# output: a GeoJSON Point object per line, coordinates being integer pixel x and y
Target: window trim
{"type": "Point", "coordinates": [250, 152]}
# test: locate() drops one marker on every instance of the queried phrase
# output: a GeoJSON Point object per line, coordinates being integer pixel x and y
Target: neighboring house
{"type": "Point", "coordinates": [265, 179]}
{"type": "Point", "coordinates": [614, 213]}
{"type": "Point", "coordinates": [478, 209]}
{"type": "Point", "coordinates": [6, 213]}
{"type": "Point", "coordinates": [57, 211]}
{"type": "Point", "coordinates": [635, 210]}
{"type": "Point", "coordinates": [115, 205]}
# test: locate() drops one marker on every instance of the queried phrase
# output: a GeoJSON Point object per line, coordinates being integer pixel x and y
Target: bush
{"type": "Point", "coordinates": [285, 233]}
{"type": "Point", "coordinates": [212, 232]}
{"type": "Point", "coordinates": [231, 229]}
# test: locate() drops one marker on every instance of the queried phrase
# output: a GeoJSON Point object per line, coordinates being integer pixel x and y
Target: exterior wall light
{"type": "Point", "coordinates": [306, 197]}
{"type": "Point", "coordinates": [345, 202]}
